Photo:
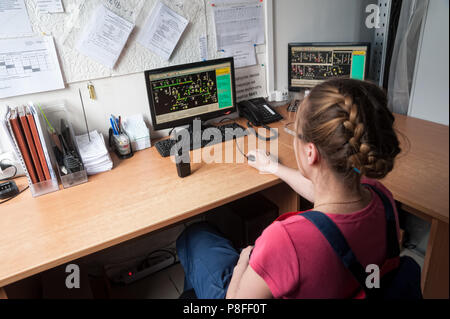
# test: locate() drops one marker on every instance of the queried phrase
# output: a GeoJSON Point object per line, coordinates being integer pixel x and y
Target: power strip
{"type": "Point", "coordinates": [144, 269]}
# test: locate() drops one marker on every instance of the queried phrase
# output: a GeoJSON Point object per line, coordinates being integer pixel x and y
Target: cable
{"type": "Point", "coordinates": [3, 168]}
{"type": "Point", "coordinates": [225, 118]}
{"type": "Point", "coordinates": [237, 144]}
{"type": "Point", "coordinates": [263, 138]}
{"type": "Point", "coordinates": [6, 200]}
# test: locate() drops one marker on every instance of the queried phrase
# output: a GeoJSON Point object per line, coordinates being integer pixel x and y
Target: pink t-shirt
{"type": "Point", "coordinates": [296, 261]}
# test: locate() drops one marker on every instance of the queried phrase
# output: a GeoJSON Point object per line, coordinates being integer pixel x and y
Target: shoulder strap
{"type": "Point", "coordinates": [393, 249]}
{"type": "Point", "coordinates": [339, 244]}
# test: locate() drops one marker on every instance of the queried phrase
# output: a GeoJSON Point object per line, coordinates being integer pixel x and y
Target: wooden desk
{"type": "Point", "coordinates": [140, 195]}
{"type": "Point", "coordinates": [144, 194]}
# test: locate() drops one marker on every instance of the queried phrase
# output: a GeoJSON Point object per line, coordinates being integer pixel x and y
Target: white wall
{"type": "Point", "coordinates": [315, 21]}
{"type": "Point", "coordinates": [430, 93]}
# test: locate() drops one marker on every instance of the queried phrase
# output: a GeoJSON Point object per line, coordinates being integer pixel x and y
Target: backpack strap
{"type": "Point", "coordinates": [393, 248]}
{"type": "Point", "coordinates": [339, 244]}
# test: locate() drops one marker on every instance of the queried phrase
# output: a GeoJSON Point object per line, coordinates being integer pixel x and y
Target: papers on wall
{"type": "Point", "coordinates": [162, 31]}
{"type": "Point", "coordinates": [105, 37]}
{"type": "Point", "coordinates": [250, 82]}
{"type": "Point", "coordinates": [233, 2]}
{"type": "Point", "coordinates": [243, 54]}
{"type": "Point", "coordinates": [14, 19]}
{"type": "Point", "coordinates": [94, 154]}
{"type": "Point", "coordinates": [29, 65]}
{"type": "Point", "coordinates": [203, 41]}
{"type": "Point", "coordinates": [49, 6]}
{"type": "Point", "coordinates": [238, 25]}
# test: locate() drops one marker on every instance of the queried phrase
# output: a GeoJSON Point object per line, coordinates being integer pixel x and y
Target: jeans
{"type": "Point", "coordinates": [208, 260]}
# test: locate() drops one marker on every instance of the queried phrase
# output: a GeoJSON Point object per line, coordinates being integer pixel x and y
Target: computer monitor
{"type": "Point", "coordinates": [313, 63]}
{"type": "Point", "coordinates": [179, 94]}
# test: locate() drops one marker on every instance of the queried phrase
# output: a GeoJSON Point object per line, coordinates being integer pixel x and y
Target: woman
{"type": "Point", "coordinates": [345, 137]}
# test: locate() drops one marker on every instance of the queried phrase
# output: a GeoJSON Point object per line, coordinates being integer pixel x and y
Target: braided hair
{"type": "Point", "coordinates": [349, 123]}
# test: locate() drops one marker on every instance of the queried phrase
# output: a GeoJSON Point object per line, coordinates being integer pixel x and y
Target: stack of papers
{"type": "Point", "coordinates": [138, 132]}
{"type": "Point", "coordinates": [94, 154]}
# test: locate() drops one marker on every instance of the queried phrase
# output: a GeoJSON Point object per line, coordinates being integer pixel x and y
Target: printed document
{"type": "Point", "coordinates": [238, 25]}
{"type": "Point", "coordinates": [105, 37]}
{"type": "Point", "coordinates": [49, 6]}
{"type": "Point", "coordinates": [29, 65]}
{"type": "Point", "coordinates": [162, 31]}
{"type": "Point", "coordinates": [14, 19]}
{"type": "Point", "coordinates": [243, 54]}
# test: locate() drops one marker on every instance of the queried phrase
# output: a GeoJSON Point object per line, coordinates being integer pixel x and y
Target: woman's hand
{"type": "Point", "coordinates": [267, 163]}
{"type": "Point", "coordinates": [245, 282]}
{"type": "Point", "coordinates": [244, 258]}
{"type": "Point", "coordinates": [262, 161]}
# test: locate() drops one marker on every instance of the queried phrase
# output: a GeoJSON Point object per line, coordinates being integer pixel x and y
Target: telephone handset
{"type": "Point", "coordinates": [258, 112]}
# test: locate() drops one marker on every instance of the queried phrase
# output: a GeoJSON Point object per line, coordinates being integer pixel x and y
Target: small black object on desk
{"type": "Point", "coordinates": [183, 160]}
{"type": "Point", "coordinates": [8, 190]}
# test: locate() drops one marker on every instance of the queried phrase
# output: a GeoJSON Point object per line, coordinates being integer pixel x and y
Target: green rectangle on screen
{"type": "Point", "coordinates": [224, 92]}
{"type": "Point", "coordinates": [358, 67]}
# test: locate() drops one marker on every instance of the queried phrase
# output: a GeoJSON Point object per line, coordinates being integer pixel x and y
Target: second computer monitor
{"type": "Point", "coordinates": [313, 63]}
{"type": "Point", "coordinates": [179, 94]}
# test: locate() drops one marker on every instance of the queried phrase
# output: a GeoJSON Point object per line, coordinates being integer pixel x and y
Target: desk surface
{"type": "Point", "coordinates": [144, 193]}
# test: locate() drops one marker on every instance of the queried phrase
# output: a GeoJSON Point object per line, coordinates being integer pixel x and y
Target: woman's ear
{"type": "Point", "coordinates": [312, 153]}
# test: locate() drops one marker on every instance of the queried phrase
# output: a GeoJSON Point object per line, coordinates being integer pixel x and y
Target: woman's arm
{"type": "Point", "coordinates": [267, 164]}
{"type": "Point", "coordinates": [245, 282]}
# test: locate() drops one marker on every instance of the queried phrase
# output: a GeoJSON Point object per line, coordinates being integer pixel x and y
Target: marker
{"type": "Point", "coordinates": [113, 126]}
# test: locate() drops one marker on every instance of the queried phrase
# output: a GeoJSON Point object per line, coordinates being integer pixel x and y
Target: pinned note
{"type": "Point", "coordinates": [243, 54]}
{"type": "Point", "coordinates": [49, 6]}
{"type": "Point", "coordinates": [14, 19]}
{"type": "Point", "coordinates": [203, 41]}
{"type": "Point", "coordinates": [105, 37]}
{"type": "Point", "coordinates": [238, 25]}
{"type": "Point", "coordinates": [162, 31]}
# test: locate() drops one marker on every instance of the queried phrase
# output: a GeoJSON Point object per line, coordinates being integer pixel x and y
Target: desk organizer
{"type": "Point", "coordinates": [33, 132]}
{"type": "Point", "coordinates": [54, 114]}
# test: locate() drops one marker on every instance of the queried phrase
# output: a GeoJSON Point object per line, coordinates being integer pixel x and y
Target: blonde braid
{"type": "Point", "coordinates": [335, 123]}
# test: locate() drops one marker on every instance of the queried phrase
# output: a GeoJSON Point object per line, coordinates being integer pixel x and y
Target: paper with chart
{"type": "Point", "coordinates": [162, 31]}
{"type": "Point", "coordinates": [238, 25]}
{"type": "Point", "coordinates": [29, 65]}
{"type": "Point", "coordinates": [105, 37]}
{"type": "Point", "coordinates": [49, 6]}
{"type": "Point", "coordinates": [14, 19]}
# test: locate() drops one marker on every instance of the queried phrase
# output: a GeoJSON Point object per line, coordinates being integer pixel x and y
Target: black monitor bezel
{"type": "Point", "coordinates": [188, 120]}
{"type": "Point", "coordinates": [323, 44]}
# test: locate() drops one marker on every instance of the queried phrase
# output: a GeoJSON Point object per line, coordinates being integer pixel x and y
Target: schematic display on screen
{"type": "Point", "coordinates": [311, 65]}
{"type": "Point", "coordinates": [192, 92]}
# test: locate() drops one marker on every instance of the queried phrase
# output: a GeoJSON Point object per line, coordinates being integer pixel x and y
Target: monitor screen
{"type": "Point", "coordinates": [181, 93]}
{"type": "Point", "coordinates": [311, 64]}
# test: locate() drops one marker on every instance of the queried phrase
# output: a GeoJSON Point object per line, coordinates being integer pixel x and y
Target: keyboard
{"type": "Point", "coordinates": [228, 131]}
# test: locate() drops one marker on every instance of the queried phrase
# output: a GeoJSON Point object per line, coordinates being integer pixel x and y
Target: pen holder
{"type": "Point", "coordinates": [121, 145]}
